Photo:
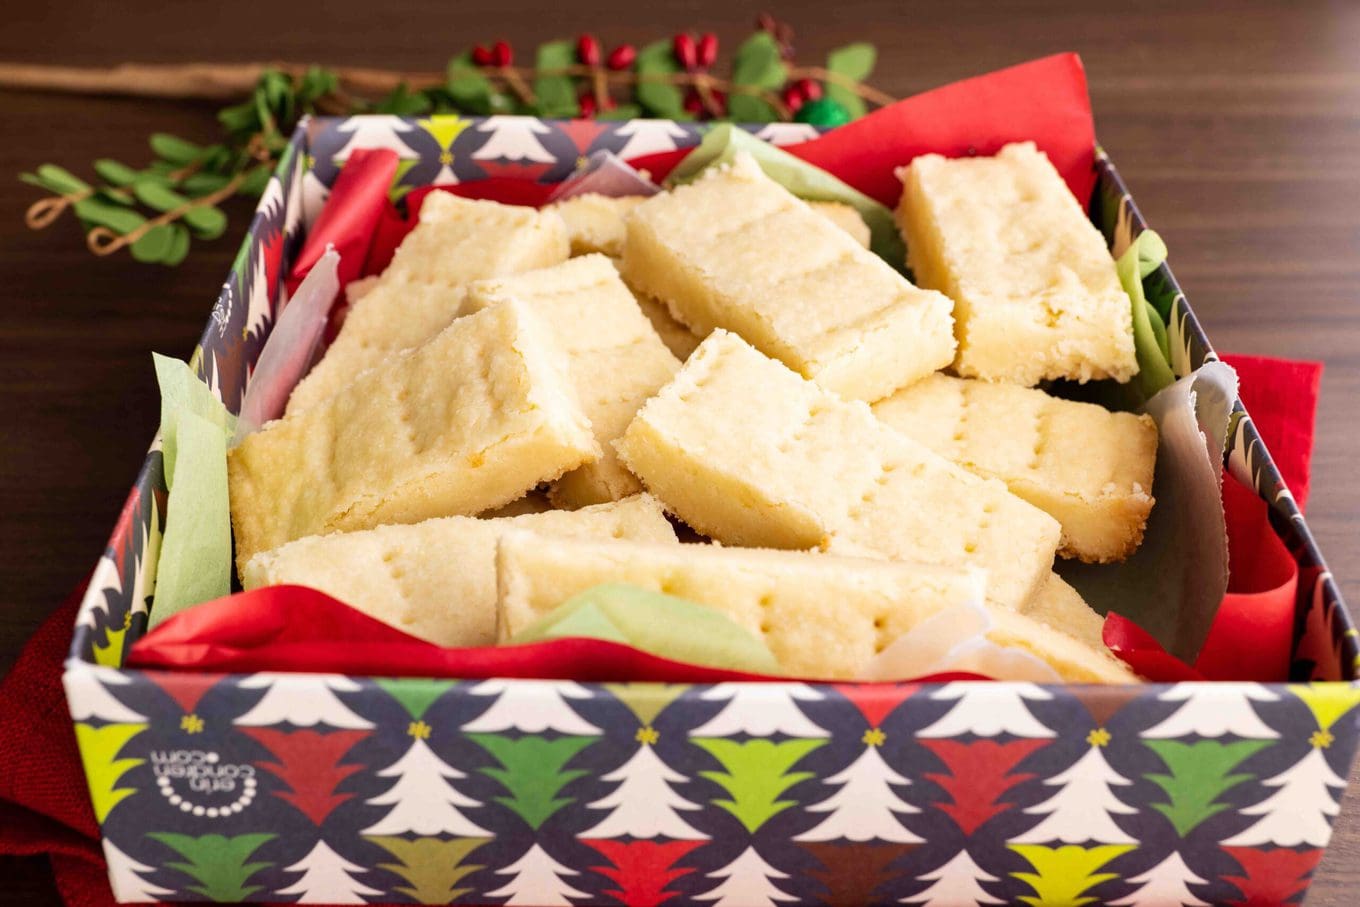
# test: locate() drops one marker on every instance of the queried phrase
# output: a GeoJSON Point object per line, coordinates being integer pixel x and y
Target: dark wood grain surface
{"type": "Point", "coordinates": [1237, 125]}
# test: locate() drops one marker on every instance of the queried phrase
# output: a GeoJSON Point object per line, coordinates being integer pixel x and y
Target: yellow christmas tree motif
{"type": "Point", "coordinates": [431, 867]}
{"type": "Point", "coordinates": [1098, 737]}
{"type": "Point", "coordinates": [1327, 701]}
{"type": "Point", "coordinates": [444, 129]}
{"type": "Point", "coordinates": [419, 730]}
{"type": "Point", "coordinates": [874, 737]}
{"type": "Point", "coordinates": [191, 724]}
{"type": "Point", "coordinates": [647, 736]}
{"type": "Point", "coordinates": [99, 749]}
{"type": "Point", "coordinates": [1064, 874]}
{"type": "Point", "coordinates": [110, 655]}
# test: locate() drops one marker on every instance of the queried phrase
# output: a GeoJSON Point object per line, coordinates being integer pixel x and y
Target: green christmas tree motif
{"type": "Point", "coordinates": [757, 774]}
{"type": "Point", "coordinates": [1200, 773]}
{"type": "Point", "coordinates": [416, 695]}
{"type": "Point", "coordinates": [1063, 875]}
{"type": "Point", "coordinates": [533, 770]}
{"type": "Point", "coordinates": [432, 867]}
{"type": "Point", "coordinates": [99, 749]}
{"type": "Point", "coordinates": [220, 865]}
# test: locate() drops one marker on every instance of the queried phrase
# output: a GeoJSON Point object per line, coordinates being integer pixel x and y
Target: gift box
{"type": "Point", "coordinates": [332, 788]}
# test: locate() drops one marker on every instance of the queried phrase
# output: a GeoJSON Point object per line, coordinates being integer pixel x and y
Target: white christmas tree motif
{"type": "Point", "coordinates": [863, 809]}
{"type": "Point", "coordinates": [988, 709]}
{"type": "Point", "coordinates": [326, 879]}
{"type": "Point", "coordinates": [787, 133]}
{"type": "Point", "coordinates": [955, 884]}
{"type": "Point", "coordinates": [143, 571]}
{"type": "Point", "coordinates": [760, 710]}
{"type": "Point", "coordinates": [514, 139]}
{"type": "Point", "coordinates": [128, 886]}
{"type": "Point", "coordinates": [1164, 883]}
{"type": "Point", "coordinates": [1223, 709]}
{"type": "Point", "coordinates": [88, 695]}
{"type": "Point", "coordinates": [373, 132]}
{"type": "Point", "coordinates": [537, 881]}
{"type": "Point", "coordinates": [304, 700]}
{"type": "Point", "coordinates": [644, 805]}
{"type": "Point", "coordinates": [648, 137]}
{"type": "Point", "coordinates": [532, 706]}
{"type": "Point", "coordinates": [422, 800]}
{"type": "Point", "coordinates": [1300, 809]}
{"type": "Point", "coordinates": [1080, 810]}
{"type": "Point", "coordinates": [259, 303]}
{"type": "Point", "coordinates": [314, 196]}
{"type": "Point", "coordinates": [747, 882]}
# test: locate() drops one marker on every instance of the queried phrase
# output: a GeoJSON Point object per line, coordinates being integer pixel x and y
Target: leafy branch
{"type": "Point", "coordinates": [156, 211]}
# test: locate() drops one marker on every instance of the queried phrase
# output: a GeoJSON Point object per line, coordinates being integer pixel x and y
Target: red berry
{"type": "Point", "coordinates": [719, 103]}
{"type": "Point", "coordinates": [501, 54]}
{"type": "Point", "coordinates": [766, 22]}
{"type": "Point", "coordinates": [686, 54]}
{"type": "Point", "coordinates": [693, 103]}
{"type": "Point", "coordinates": [588, 50]}
{"type": "Point", "coordinates": [811, 90]}
{"type": "Point", "coordinates": [622, 56]}
{"type": "Point", "coordinates": [481, 56]}
{"type": "Point", "coordinates": [794, 97]}
{"type": "Point", "coordinates": [707, 50]}
{"type": "Point", "coordinates": [587, 102]}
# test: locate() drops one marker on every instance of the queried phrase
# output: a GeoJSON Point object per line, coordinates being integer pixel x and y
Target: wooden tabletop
{"type": "Point", "coordinates": [1237, 126]}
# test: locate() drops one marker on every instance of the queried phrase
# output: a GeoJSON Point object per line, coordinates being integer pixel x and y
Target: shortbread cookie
{"type": "Point", "coordinates": [437, 579]}
{"type": "Point", "coordinates": [735, 250]}
{"type": "Point", "coordinates": [680, 340]}
{"type": "Point", "coordinates": [822, 617]}
{"type": "Point", "coordinates": [534, 502]}
{"type": "Point", "coordinates": [595, 222]}
{"type": "Point", "coordinates": [747, 452]}
{"type": "Point", "coordinates": [1088, 468]}
{"type": "Point", "coordinates": [615, 360]}
{"type": "Point", "coordinates": [845, 217]}
{"type": "Point", "coordinates": [467, 422]}
{"type": "Point", "coordinates": [1059, 605]}
{"type": "Point", "coordinates": [358, 289]}
{"type": "Point", "coordinates": [1035, 290]}
{"type": "Point", "coordinates": [458, 240]}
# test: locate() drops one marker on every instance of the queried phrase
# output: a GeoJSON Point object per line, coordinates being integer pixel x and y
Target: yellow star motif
{"type": "Point", "coordinates": [647, 736]}
{"type": "Point", "coordinates": [191, 724]}
{"type": "Point", "coordinates": [127, 620]}
{"type": "Point", "coordinates": [1098, 737]}
{"type": "Point", "coordinates": [1321, 739]}
{"type": "Point", "coordinates": [419, 730]}
{"type": "Point", "coordinates": [446, 157]}
{"type": "Point", "coordinates": [874, 737]}
{"type": "Point", "coordinates": [581, 162]}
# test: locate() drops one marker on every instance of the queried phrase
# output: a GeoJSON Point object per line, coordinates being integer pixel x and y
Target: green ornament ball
{"type": "Point", "coordinates": [823, 112]}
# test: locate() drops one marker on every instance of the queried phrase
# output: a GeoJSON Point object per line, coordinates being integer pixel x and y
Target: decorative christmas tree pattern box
{"type": "Point", "coordinates": [334, 789]}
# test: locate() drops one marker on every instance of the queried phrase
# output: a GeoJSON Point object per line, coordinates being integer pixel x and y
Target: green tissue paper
{"type": "Point", "coordinates": [195, 555]}
{"type": "Point", "coordinates": [663, 625]}
{"type": "Point", "coordinates": [723, 142]}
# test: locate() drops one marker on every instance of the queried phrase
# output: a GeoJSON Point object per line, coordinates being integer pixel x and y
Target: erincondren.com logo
{"type": "Point", "coordinates": [198, 782]}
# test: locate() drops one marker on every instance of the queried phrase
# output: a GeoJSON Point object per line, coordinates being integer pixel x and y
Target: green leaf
{"type": "Point", "coordinates": [116, 196]}
{"type": "Point", "coordinates": [114, 172]}
{"type": "Point", "coordinates": [556, 94]}
{"type": "Point", "coordinates": [197, 184]}
{"type": "Point", "coordinates": [206, 221]}
{"type": "Point", "coordinates": [106, 214]}
{"type": "Point", "coordinates": [179, 246]}
{"type": "Point", "coordinates": [60, 181]}
{"type": "Point", "coordinates": [255, 182]}
{"type": "Point", "coordinates": [173, 149]}
{"type": "Point", "coordinates": [855, 61]}
{"type": "Point", "coordinates": [467, 86]}
{"type": "Point", "coordinates": [316, 83]}
{"type": "Point", "coordinates": [1149, 332]}
{"type": "Point", "coordinates": [758, 64]}
{"type": "Point", "coordinates": [154, 244]}
{"type": "Point", "coordinates": [620, 112]}
{"type": "Point", "coordinates": [658, 98]}
{"type": "Point", "coordinates": [401, 102]}
{"type": "Point", "coordinates": [157, 195]}
{"type": "Point", "coordinates": [239, 119]}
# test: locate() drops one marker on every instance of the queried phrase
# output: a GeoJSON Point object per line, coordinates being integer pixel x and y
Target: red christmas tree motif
{"type": "Point", "coordinates": [582, 132]}
{"type": "Point", "coordinates": [1271, 877]}
{"type": "Point", "coordinates": [309, 763]}
{"type": "Point", "coordinates": [979, 773]}
{"type": "Point", "coordinates": [876, 701]}
{"type": "Point", "coordinates": [851, 872]}
{"type": "Point", "coordinates": [642, 869]}
{"type": "Point", "coordinates": [520, 170]}
{"type": "Point", "coordinates": [187, 689]}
